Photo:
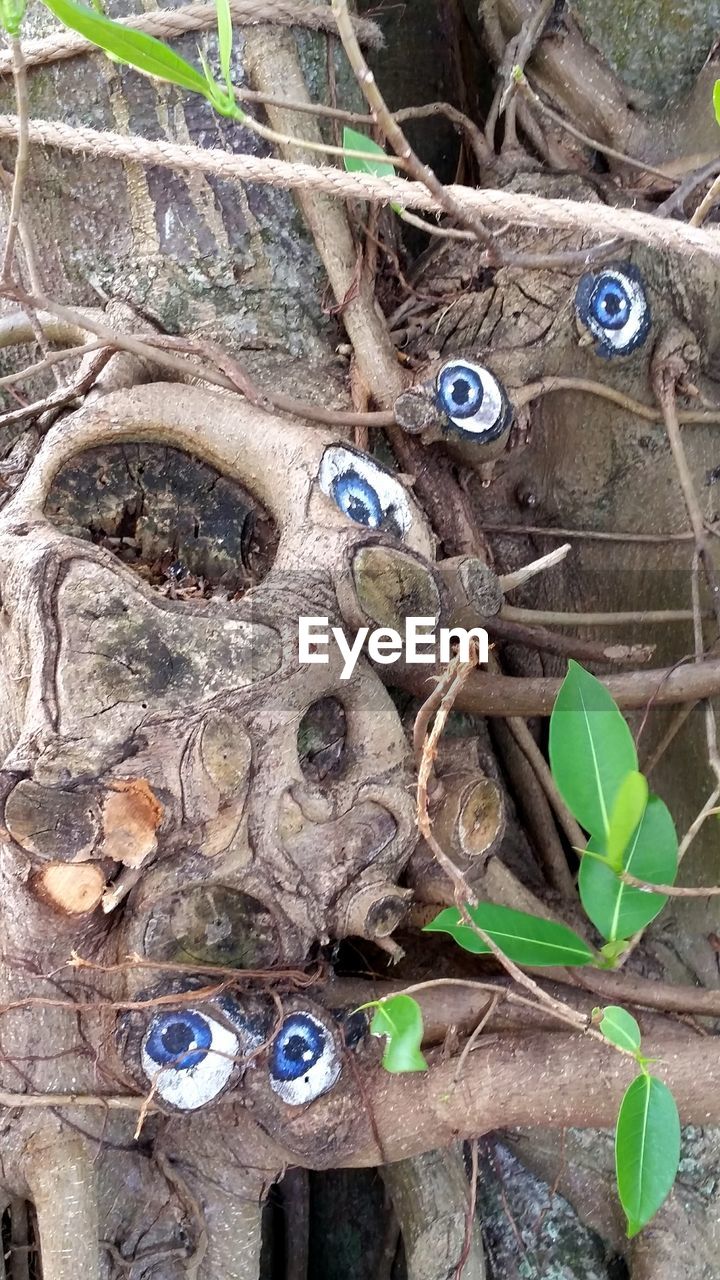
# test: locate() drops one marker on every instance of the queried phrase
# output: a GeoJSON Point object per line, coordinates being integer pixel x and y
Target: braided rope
{"type": "Point", "coordinates": [524, 210]}
{"type": "Point", "coordinates": [169, 23]}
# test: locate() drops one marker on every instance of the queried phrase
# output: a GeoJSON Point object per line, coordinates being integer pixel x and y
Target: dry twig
{"type": "Point", "coordinates": [557, 618]}
{"type": "Point", "coordinates": [473, 1039]}
{"type": "Point", "coordinates": [664, 381]}
{"type": "Point", "coordinates": [518, 578]}
{"type": "Point", "coordinates": [393, 132]}
{"type": "Point", "coordinates": [534, 755]}
{"type": "Point", "coordinates": [706, 204]}
{"type": "Point", "coordinates": [519, 626]}
{"type": "Point", "coordinates": [592, 535]}
{"type": "Point", "coordinates": [64, 395]}
{"type": "Point", "coordinates": [21, 159]}
{"type": "Point", "coordinates": [529, 94]}
{"type": "Point", "coordinates": [487, 694]}
{"type": "Point", "coordinates": [464, 894]}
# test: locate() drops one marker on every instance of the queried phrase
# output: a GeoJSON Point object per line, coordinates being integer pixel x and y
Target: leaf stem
{"type": "Point", "coordinates": [669, 890]}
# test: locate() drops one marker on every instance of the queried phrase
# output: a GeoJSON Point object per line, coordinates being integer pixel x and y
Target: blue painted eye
{"type": "Point", "coordinates": [613, 306]}
{"type": "Point", "coordinates": [356, 497]}
{"type": "Point", "coordinates": [610, 304]}
{"type": "Point", "coordinates": [304, 1059]}
{"type": "Point", "coordinates": [179, 1038]}
{"type": "Point", "coordinates": [364, 491]}
{"type": "Point", "coordinates": [188, 1057]}
{"type": "Point", "coordinates": [460, 390]}
{"type": "Point", "coordinates": [473, 400]}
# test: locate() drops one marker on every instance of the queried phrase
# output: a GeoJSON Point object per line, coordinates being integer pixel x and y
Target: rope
{"type": "Point", "coordinates": [169, 23]}
{"type": "Point", "coordinates": [666, 234]}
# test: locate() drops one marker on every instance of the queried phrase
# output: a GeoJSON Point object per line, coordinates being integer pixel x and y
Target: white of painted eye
{"type": "Point", "coordinates": [612, 304]}
{"type": "Point", "coordinates": [304, 1059]}
{"type": "Point", "coordinates": [364, 491]}
{"type": "Point", "coordinates": [472, 399]}
{"type": "Point", "coordinates": [188, 1057]}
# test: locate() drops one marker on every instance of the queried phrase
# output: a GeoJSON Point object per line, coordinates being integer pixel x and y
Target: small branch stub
{"type": "Point", "coordinates": [72, 888]}
{"type": "Point", "coordinates": [510, 581]}
{"type": "Point", "coordinates": [131, 816]}
{"type": "Point", "coordinates": [471, 819]}
{"type": "Point", "coordinates": [371, 910]}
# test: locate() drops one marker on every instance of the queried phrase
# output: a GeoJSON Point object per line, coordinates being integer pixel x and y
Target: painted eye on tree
{"type": "Point", "coordinates": [473, 400]}
{"type": "Point", "coordinates": [189, 1057]}
{"type": "Point", "coordinates": [364, 491]}
{"type": "Point", "coordinates": [612, 305]}
{"type": "Point", "coordinates": [304, 1059]}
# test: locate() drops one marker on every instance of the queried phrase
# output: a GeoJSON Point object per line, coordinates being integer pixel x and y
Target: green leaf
{"type": "Point", "coordinates": [399, 1019]}
{"type": "Point", "coordinates": [375, 162]}
{"type": "Point", "coordinates": [221, 100]}
{"type": "Point", "coordinates": [620, 1028]}
{"type": "Point", "coordinates": [136, 48]}
{"type": "Point", "coordinates": [716, 100]}
{"type": "Point", "coordinates": [12, 13]}
{"type": "Point", "coordinates": [625, 817]}
{"type": "Point", "coordinates": [647, 1149]}
{"type": "Point", "coordinates": [591, 749]}
{"type": "Point", "coordinates": [528, 940]}
{"type": "Point", "coordinates": [618, 910]}
{"type": "Point", "coordinates": [611, 952]}
{"type": "Point", "coordinates": [225, 40]}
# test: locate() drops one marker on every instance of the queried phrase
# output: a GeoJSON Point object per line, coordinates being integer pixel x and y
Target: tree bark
{"type": "Point", "coordinates": [517, 1079]}
{"type": "Point", "coordinates": [430, 1197]}
{"type": "Point", "coordinates": [239, 266]}
{"type": "Point", "coordinates": [61, 1181]}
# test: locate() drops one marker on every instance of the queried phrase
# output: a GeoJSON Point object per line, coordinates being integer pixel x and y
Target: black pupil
{"type": "Point", "coordinates": [613, 303]}
{"type": "Point", "coordinates": [295, 1048]}
{"type": "Point", "coordinates": [177, 1038]}
{"type": "Point", "coordinates": [461, 391]}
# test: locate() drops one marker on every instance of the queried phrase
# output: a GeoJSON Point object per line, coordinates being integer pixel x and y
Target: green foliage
{"type": "Point", "coordinates": [591, 749]}
{"type": "Point", "coordinates": [594, 763]}
{"type": "Point", "coordinates": [716, 100]}
{"type": "Point", "coordinates": [143, 52]}
{"type": "Point", "coordinates": [375, 163]}
{"type": "Point", "coordinates": [225, 42]}
{"type": "Point", "coordinates": [620, 1028]}
{"type": "Point", "coordinates": [373, 160]}
{"type": "Point", "coordinates": [12, 13]}
{"type": "Point", "coordinates": [525, 939]}
{"type": "Point", "coordinates": [625, 817]}
{"type": "Point", "coordinates": [647, 1149]}
{"type": "Point", "coordinates": [647, 1136]}
{"type": "Point", "coordinates": [611, 952]}
{"type": "Point", "coordinates": [616, 909]}
{"type": "Point", "coordinates": [399, 1019]}
{"type": "Point", "coordinates": [136, 48]}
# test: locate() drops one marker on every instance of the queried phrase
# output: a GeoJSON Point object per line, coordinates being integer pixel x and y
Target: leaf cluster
{"type": "Point", "coordinates": [630, 833]}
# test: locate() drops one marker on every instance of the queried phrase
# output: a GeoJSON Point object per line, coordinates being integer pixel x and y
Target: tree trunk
{"type": "Point", "coordinates": [202, 819]}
